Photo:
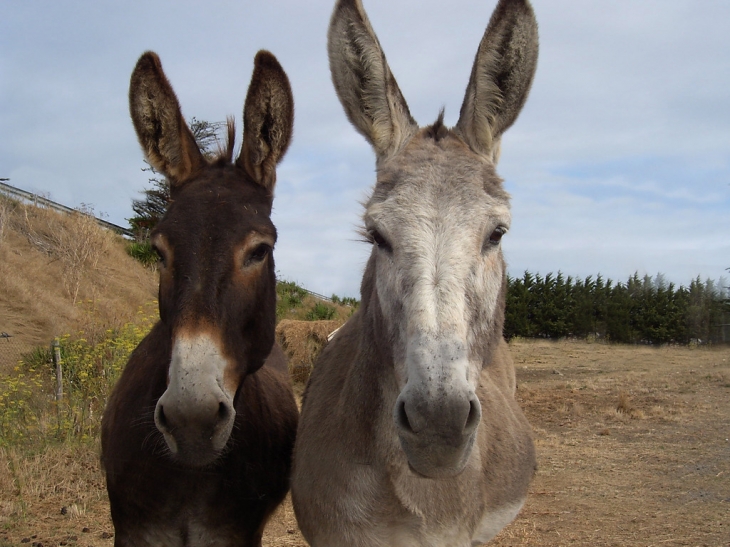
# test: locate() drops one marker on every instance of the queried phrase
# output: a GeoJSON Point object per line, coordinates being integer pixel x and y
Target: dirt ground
{"type": "Point", "coordinates": [633, 449]}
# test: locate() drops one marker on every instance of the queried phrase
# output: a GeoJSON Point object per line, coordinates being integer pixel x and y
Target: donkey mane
{"type": "Point", "coordinates": [224, 154]}
{"type": "Point", "coordinates": [438, 130]}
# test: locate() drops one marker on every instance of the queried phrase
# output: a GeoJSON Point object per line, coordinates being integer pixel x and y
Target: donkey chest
{"type": "Point", "coordinates": [457, 512]}
{"type": "Point", "coordinates": [199, 516]}
{"type": "Point", "coordinates": [460, 525]}
{"type": "Point", "coordinates": [193, 533]}
{"type": "Point", "coordinates": [439, 535]}
{"type": "Point", "coordinates": [186, 509]}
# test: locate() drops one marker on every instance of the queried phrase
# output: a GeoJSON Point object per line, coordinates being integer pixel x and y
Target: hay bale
{"type": "Point", "coordinates": [302, 341]}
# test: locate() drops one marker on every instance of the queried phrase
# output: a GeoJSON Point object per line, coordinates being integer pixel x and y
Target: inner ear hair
{"type": "Point", "coordinates": [268, 118]}
{"type": "Point", "coordinates": [166, 139]}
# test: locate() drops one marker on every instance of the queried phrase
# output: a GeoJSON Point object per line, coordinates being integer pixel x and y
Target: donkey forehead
{"type": "Point", "coordinates": [226, 209]}
{"type": "Point", "coordinates": [439, 181]}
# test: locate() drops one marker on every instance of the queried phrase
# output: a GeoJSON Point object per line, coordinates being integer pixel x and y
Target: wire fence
{"type": "Point", "coordinates": [11, 350]}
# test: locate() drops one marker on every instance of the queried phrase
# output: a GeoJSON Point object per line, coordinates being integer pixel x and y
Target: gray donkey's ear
{"type": "Point", "coordinates": [501, 76]}
{"type": "Point", "coordinates": [268, 120]}
{"type": "Point", "coordinates": [367, 89]}
{"type": "Point", "coordinates": [166, 139]}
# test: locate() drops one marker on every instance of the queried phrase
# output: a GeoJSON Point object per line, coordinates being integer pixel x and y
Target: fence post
{"type": "Point", "coordinates": [56, 351]}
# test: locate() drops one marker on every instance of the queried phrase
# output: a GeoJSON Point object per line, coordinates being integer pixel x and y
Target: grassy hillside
{"type": "Point", "coordinates": [62, 274]}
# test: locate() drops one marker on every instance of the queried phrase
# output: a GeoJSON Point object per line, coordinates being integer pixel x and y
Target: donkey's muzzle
{"type": "Point", "coordinates": [195, 414]}
{"type": "Point", "coordinates": [437, 433]}
{"type": "Point", "coordinates": [196, 432]}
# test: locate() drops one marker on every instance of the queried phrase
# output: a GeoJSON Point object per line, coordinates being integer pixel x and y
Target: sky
{"type": "Point", "coordinates": [619, 162]}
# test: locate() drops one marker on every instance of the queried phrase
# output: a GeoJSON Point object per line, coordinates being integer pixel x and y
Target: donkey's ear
{"type": "Point", "coordinates": [367, 89]}
{"type": "Point", "coordinates": [268, 119]}
{"type": "Point", "coordinates": [166, 139]}
{"type": "Point", "coordinates": [501, 77]}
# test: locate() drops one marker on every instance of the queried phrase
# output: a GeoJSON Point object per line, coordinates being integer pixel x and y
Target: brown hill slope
{"type": "Point", "coordinates": [60, 274]}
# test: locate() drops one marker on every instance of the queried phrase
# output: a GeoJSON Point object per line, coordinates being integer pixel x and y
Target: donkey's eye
{"type": "Point", "coordinates": [495, 237]}
{"type": "Point", "coordinates": [376, 238]}
{"type": "Point", "coordinates": [257, 255]}
{"type": "Point", "coordinates": [161, 260]}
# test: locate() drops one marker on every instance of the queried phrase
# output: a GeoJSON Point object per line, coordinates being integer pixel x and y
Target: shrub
{"type": "Point", "coordinates": [345, 301]}
{"type": "Point", "coordinates": [28, 409]}
{"type": "Point", "coordinates": [320, 312]}
{"type": "Point", "coordinates": [350, 301]}
{"type": "Point", "coordinates": [289, 295]}
{"type": "Point", "coordinates": [143, 252]}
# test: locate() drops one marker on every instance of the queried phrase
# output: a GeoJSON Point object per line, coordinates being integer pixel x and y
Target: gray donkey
{"type": "Point", "coordinates": [410, 434]}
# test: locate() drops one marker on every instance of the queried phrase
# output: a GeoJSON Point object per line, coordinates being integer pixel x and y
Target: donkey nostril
{"type": "Point", "coordinates": [401, 417]}
{"type": "Point", "coordinates": [223, 412]}
{"type": "Point", "coordinates": [161, 419]}
{"type": "Point", "coordinates": [474, 417]}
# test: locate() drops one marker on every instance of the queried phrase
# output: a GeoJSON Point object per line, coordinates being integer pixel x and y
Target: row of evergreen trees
{"type": "Point", "coordinates": [642, 310]}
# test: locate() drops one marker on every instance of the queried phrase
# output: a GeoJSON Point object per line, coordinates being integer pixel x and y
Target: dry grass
{"type": "Point", "coordinates": [76, 241]}
{"type": "Point", "coordinates": [58, 496]}
{"type": "Point", "coordinates": [61, 274]}
{"type": "Point", "coordinates": [633, 442]}
{"type": "Point", "coordinates": [649, 467]}
{"type": "Point", "coordinates": [5, 210]}
{"type": "Point", "coordinates": [646, 460]}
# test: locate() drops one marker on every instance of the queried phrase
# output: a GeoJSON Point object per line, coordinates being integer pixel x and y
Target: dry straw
{"type": "Point", "coordinates": [302, 341]}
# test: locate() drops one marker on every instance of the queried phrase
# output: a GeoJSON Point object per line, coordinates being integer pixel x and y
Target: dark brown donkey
{"type": "Point", "coordinates": [198, 433]}
{"type": "Point", "coordinates": [410, 433]}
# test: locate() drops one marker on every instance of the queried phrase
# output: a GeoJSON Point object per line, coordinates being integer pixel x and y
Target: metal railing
{"type": "Point", "coordinates": [320, 296]}
{"type": "Point", "coordinates": [35, 199]}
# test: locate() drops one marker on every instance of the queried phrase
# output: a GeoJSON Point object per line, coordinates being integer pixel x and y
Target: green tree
{"type": "Point", "coordinates": [518, 315]}
{"type": "Point", "coordinates": [581, 316]}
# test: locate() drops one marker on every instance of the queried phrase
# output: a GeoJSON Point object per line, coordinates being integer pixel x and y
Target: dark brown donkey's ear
{"type": "Point", "coordinates": [166, 139]}
{"type": "Point", "coordinates": [268, 118]}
